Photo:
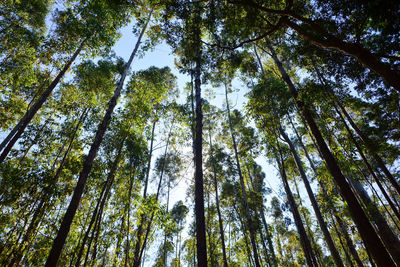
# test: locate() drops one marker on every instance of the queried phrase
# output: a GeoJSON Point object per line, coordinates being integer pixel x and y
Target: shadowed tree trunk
{"type": "Point", "coordinates": [321, 221]}
{"type": "Point", "coordinates": [198, 148]}
{"type": "Point", "coordinates": [305, 242]}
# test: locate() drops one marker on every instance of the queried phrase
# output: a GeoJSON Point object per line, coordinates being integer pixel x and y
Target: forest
{"type": "Point", "coordinates": [272, 139]}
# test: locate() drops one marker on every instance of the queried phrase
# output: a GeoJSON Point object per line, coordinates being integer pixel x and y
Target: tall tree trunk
{"type": "Point", "coordinates": [390, 240]}
{"type": "Point", "coordinates": [242, 226]}
{"type": "Point", "coordinates": [367, 232]}
{"type": "Point", "coordinates": [239, 169]}
{"type": "Point", "coordinates": [139, 248]}
{"type": "Point", "coordinates": [369, 167]}
{"type": "Point", "coordinates": [59, 241]}
{"type": "Point", "coordinates": [198, 147]}
{"type": "Point", "coordinates": [349, 242]}
{"type": "Point", "coordinates": [314, 204]}
{"type": "Point", "coordinates": [220, 223]}
{"type": "Point", "coordinates": [266, 227]}
{"type": "Point", "coordinates": [367, 142]}
{"type": "Point", "coordinates": [143, 217]}
{"type": "Point", "coordinates": [305, 242]}
{"type": "Point", "coordinates": [321, 222]}
{"type": "Point", "coordinates": [102, 199]}
{"type": "Point", "coordinates": [18, 130]}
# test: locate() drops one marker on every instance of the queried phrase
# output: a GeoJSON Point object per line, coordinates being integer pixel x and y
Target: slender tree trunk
{"type": "Point", "coordinates": [390, 240]}
{"type": "Point", "coordinates": [143, 217]}
{"type": "Point", "coordinates": [101, 201]}
{"type": "Point", "coordinates": [367, 232]}
{"type": "Point", "coordinates": [266, 227]}
{"type": "Point", "coordinates": [314, 204]}
{"type": "Point", "coordinates": [198, 147]}
{"type": "Point", "coordinates": [220, 223]}
{"type": "Point", "coordinates": [369, 167]}
{"type": "Point", "coordinates": [350, 244]}
{"type": "Point", "coordinates": [305, 242]}
{"type": "Point", "coordinates": [244, 235]}
{"type": "Point", "coordinates": [248, 214]}
{"type": "Point", "coordinates": [18, 130]}
{"type": "Point", "coordinates": [367, 142]}
{"type": "Point", "coordinates": [128, 221]}
{"type": "Point", "coordinates": [139, 249]}
{"type": "Point", "coordinates": [59, 241]}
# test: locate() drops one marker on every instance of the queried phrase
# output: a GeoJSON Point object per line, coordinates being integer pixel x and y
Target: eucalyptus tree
{"type": "Point", "coordinates": [90, 33]}
{"type": "Point", "coordinates": [184, 34]}
{"type": "Point", "coordinates": [365, 228]}
{"type": "Point", "coordinates": [64, 228]}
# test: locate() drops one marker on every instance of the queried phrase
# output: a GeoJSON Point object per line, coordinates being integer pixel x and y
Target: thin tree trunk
{"type": "Point", "coordinates": [59, 241]}
{"type": "Point", "coordinates": [18, 130]}
{"type": "Point", "coordinates": [390, 240]}
{"type": "Point", "coordinates": [367, 142]}
{"type": "Point", "coordinates": [314, 204]}
{"type": "Point", "coordinates": [139, 249]}
{"type": "Point", "coordinates": [102, 199]}
{"type": "Point", "coordinates": [305, 242]}
{"type": "Point", "coordinates": [248, 214]}
{"type": "Point", "coordinates": [198, 147]}
{"type": "Point", "coordinates": [266, 227]}
{"type": "Point", "coordinates": [143, 218]}
{"type": "Point", "coordinates": [367, 232]}
{"type": "Point", "coordinates": [220, 223]}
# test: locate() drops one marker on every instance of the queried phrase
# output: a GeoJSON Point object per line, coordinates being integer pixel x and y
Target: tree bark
{"type": "Point", "coordinates": [198, 149]}
{"type": "Point", "coordinates": [314, 204]}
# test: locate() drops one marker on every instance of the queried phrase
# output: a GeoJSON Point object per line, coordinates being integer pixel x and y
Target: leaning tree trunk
{"type": "Point", "coordinates": [139, 249]}
{"type": "Point", "coordinates": [305, 242]}
{"type": "Point", "coordinates": [324, 228]}
{"type": "Point", "coordinates": [367, 232]}
{"type": "Point", "coordinates": [367, 142]}
{"type": "Point", "coordinates": [246, 204]}
{"type": "Point", "coordinates": [102, 199]}
{"type": "Point", "coordinates": [321, 221]}
{"type": "Point", "coordinates": [19, 129]}
{"type": "Point", "coordinates": [59, 241]}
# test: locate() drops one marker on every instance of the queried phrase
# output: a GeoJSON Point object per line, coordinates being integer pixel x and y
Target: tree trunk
{"type": "Point", "coordinates": [18, 130]}
{"type": "Point", "coordinates": [390, 240]}
{"type": "Point", "coordinates": [305, 242]}
{"type": "Point", "coordinates": [367, 232]}
{"type": "Point", "coordinates": [248, 214]}
{"type": "Point", "coordinates": [362, 136]}
{"type": "Point", "coordinates": [198, 149]}
{"type": "Point", "coordinates": [220, 223]}
{"type": "Point", "coordinates": [59, 241]}
{"type": "Point", "coordinates": [321, 221]}
{"type": "Point", "coordinates": [102, 198]}
{"type": "Point", "coordinates": [139, 249]}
